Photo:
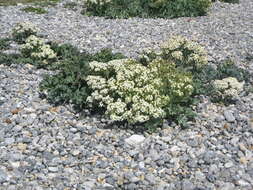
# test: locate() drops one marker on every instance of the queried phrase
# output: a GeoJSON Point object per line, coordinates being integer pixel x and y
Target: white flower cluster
{"type": "Point", "coordinates": [24, 29]}
{"type": "Point", "coordinates": [183, 50]}
{"type": "Point", "coordinates": [97, 2]}
{"type": "Point", "coordinates": [37, 48]}
{"type": "Point", "coordinates": [130, 95]}
{"type": "Point", "coordinates": [134, 93]}
{"type": "Point", "coordinates": [228, 87]}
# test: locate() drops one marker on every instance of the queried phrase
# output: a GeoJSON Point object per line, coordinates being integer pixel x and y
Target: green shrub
{"type": "Point", "coordinates": [8, 59]}
{"type": "Point", "coordinates": [4, 43]}
{"type": "Point", "coordinates": [186, 54]}
{"type": "Point", "coordinates": [129, 91]}
{"type": "Point", "coordinates": [227, 89]}
{"type": "Point", "coordinates": [230, 1]}
{"type": "Point", "coordinates": [214, 82]}
{"type": "Point", "coordinates": [36, 49]}
{"type": "Point", "coordinates": [70, 5]}
{"type": "Point", "coordinates": [22, 31]}
{"type": "Point", "coordinates": [160, 85]}
{"type": "Point", "coordinates": [146, 8]}
{"type": "Point", "coordinates": [37, 10]}
{"type": "Point", "coordinates": [69, 84]}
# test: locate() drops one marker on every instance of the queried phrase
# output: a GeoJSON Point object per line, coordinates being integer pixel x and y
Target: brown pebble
{"type": "Point", "coordinates": [15, 111]}
{"type": "Point", "coordinates": [7, 120]}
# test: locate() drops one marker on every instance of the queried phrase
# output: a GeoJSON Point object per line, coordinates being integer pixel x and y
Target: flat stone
{"type": "Point", "coordinates": [75, 152]}
{"type": "Point", "coordinates": [9, 141]}
{"type": "Point", "coordinates": [3, 176]}
{"type": "Point", "coordinates": [53, 169]}
{"type": "Point", "coordinates": [135, 140]}
{"type": "Point", "coordinates": [227, 186]}
{"type": "Point", "coordinates": [229, 164]}
{"type": "Point", "coordinates": [229, 116]}
{"type": "Point", "coordinates": [187, 185]}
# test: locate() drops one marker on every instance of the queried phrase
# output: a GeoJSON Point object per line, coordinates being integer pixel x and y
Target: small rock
{"type": "Point", "coordinates": [229, 165]}
{"type": "Point", "coordinates": [9, 141]}
{"type": "Point", "coordinates": [135, 140]}
{"type": "Point", "coordinates": [229, 116]}
{"type": "Point", "coordinates": [53, 169]}
{"type": "Point", "coordinates": [227, 186]}
{"type": "Point", "coordinates": [187, 185]}
{"type": "Point", "coordinates": [219, 118]}
{"type": "Point", "coordinates": [22, 146]}
{"type": "Point", "coordinates": [75, 152]}
{"type": "Point", "coordinates": [3, 176]}
{"type": "Point", "coordinates": [242, 182]}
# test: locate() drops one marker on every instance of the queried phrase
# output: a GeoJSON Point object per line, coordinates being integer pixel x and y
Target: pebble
{"type": "Point", "coordinates": [229, 116]}
{"type": "Point", "coordinates": [135, 140]}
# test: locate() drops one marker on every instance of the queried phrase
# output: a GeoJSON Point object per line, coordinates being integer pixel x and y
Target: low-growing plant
{"type": "Point", "coordinates": [227, 89]}
{"type": "Point", "coordinates": [129, 91]}
{"type": "Point", "coordinates": [22, 31]}
{"type": "Point", "coordinates": [36, 49]}
{"type": "Point", "coordinates": [146, 8]}
{"type": "Point", "coordinates": [4, 43]}
{"type": "Point", "coordinates": [8, 59]}
{"type": "Point", "coordinates": [70, 5]}
{"type": "Point", "coordinates": [186, 54]}
{"type": "Point", "coordinates": [37, 2]}
{"type": "Point", "coordinates": [230, 1]}
{"type": "Point", "coordinates": [160, 85]}
{"type": "Point", "coordinates": [69, 84]}
{"type": "Point", "coordinates": [37, 10]}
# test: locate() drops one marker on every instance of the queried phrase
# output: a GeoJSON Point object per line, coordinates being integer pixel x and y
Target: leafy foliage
{"type": "Point", "coordinates": [37, 10]}
{"type": "Point", "coordinates": [4, 43]}
{"type": "Point", "coordinates": [230, 1]}
{"type": "Point", "coordinates": [8, 59]}
{"type": "Point", "coordinates": [132, 92]}
{"type": "Point", "coordinates": [70, 5]}
{"type": "Point", "coordinates": [69, 84]}
{"type": "Point", "coordinates": [146, 8]}
{"type": "Point", "coordinates": [22, 31]}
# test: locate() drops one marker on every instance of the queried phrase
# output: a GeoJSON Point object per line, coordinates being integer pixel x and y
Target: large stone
{"type": "Point", "coordinates": [135, 140]}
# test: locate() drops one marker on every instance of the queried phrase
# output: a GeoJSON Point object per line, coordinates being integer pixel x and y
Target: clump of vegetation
{"type": "Point", "coordinates": [36, 49]}
{"type": "Point", "coordinates": [132, 92]}
{"type": "Point", "coordinates": [4, 43]}
{"type": "Point", "coordinates": [37, 2]}
{"type": "Point", "coordinates": [230, 1]}
{"type": "Point", "coordinates": [148, 8]}
{"type": "Point", "coordinates": [162, 84]}
{"type": "Point", "coordinates": [69, 85]}
{"type": "Point", "coordinates": [70, 5]}
{"type": "Point", "coordinates": [37, 10]}
{"type": "Point", "coordinates": [22, 31]}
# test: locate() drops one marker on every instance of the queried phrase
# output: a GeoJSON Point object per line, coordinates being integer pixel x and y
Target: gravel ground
{"type": "Point", "coordinates": [46, 147]}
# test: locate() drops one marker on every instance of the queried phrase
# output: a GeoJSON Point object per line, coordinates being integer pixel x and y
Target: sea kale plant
{"type": "Point", "coordinates": [37, 49]}
{"type": "Point", "coordinates": [227, 89]}
{"type": "Point", "coordinates": [146, 8]}
{"type": "Point", "coordinates": [22, 31]}
{"type": "Point", "coordinates": [132, 92]}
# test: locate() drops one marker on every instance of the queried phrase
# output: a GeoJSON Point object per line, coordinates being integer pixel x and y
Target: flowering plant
{"type": "Point", "coordinates": [228, 88]}
{"type": "Point", "coordinates": [37, 49]}
{"type": "Point", "coordinates": [23, 30]}
{"type": "Point", "coordinates": [136, 93]}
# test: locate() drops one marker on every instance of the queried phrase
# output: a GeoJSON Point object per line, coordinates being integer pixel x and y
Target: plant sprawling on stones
{"type": "Point", "coordinates": [135, 93]}
{"type": "Point", "coordinates": [69, 84]}
{"type": "Point", "coordinates": [36, 48]}
{"type": "Point", "coordinates": [147, 8]}
{"type": "Point", "coordinates": [160, 84]}
{"type": "Point", "coordinates": [228, 88]}
{"type": "Point", "coordinates": [23, 30]}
